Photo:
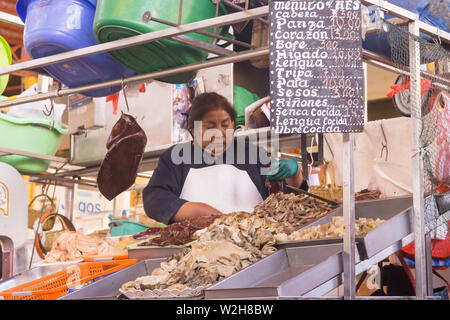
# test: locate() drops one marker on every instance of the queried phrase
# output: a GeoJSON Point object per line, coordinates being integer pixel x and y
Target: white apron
{"type": "Point", "coordinates": [223, 187]}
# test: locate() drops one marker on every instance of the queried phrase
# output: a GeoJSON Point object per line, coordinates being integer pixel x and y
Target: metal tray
{"type": "Point", "coordinates": [397, 213]}
{"type": "Point", "coordinates": [302, 267]}
{"type": "Point", "coordinates": [287, 272]}
{"type": "Point", "coordinates": [108, 287]}
{"type": "Point", "coordinates": [307, 243]}
{"type": "Point", "coordinates": [399, 216]}
{"type": "Point", "coordinates": [153, 252]}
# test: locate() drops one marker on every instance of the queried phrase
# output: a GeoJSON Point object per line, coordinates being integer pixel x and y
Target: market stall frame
{"type": "Point", "coordinates": [415, 26]}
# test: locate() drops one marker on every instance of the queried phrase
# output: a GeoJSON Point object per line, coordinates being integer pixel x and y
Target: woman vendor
{"type": "Point", "coordinates": [224, 180]}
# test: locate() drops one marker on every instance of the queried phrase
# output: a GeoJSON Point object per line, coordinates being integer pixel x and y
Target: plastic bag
{"type": "Point", "coordinates": [37, 109]}
{"type": "Point", "coordinates": [392, 179]}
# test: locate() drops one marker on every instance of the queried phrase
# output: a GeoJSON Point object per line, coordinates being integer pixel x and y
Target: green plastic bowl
{"type": "Point", "coordinates": [116, 20]}
{"type": "Point", "coordinates": [242, 98]}
{"type": "Point", "coordinates": [5, 60]}
{"type": "Point", "coordinates": [30, 135]}
{"type": "Point", "coordinates": [126, 227]}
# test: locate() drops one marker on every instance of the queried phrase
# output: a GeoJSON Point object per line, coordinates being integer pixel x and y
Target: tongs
{"type": "Point", "coordinates": [333, 203]}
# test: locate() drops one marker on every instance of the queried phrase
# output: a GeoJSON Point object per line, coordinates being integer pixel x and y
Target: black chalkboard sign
{"type": "Point", "coordinates": [316, 72]}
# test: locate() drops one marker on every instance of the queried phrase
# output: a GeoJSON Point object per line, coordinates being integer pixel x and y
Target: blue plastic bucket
{"type": "Point", "coordinates": [56, 26]}
{"type": "Point", "coordinates": [428, 13]}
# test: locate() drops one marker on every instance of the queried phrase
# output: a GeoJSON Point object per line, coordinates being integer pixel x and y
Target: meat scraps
{"type": "Point", "coordinates": [366, 194]}
{"type": "Point", "coordinates": [73, 245]}
{"type": "Point", "coordinates": [231, 243]}
{"type": "Point", "coordinates": [294, 211]}
{"type": "Point", "coordinates": [119, 168]}
{"type": "Point", "coordinates": [177, 233]}
{"type": "Point", "coordinates": [274, 186]}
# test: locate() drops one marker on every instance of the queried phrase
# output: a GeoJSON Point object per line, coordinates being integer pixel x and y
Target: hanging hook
{"type": "Point", "coordinates": [311, 151]}
{"type": "Point", "coordinates": [384, 143]}
{"type": "Point", "coordinates": [331, 151]}
{"type": "Point", "coordinates": [438, 35]}
{"type": "Point", "coordinates": [125, 96]}
{"type": "Point", "coordinates": [47, 112]}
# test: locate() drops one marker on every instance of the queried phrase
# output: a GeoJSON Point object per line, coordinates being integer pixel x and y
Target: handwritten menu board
{"type": "Point", "coordinates": [316, 73]}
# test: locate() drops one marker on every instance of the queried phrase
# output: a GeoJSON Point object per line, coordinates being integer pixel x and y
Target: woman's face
{"type": "Point", "coordinates": [215, 133]}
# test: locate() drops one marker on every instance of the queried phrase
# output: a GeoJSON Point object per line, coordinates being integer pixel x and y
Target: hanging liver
{"type": "Point", "coordinates": [119, 168]}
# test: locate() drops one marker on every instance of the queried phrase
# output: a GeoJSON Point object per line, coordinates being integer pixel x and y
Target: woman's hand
{"type": "Point", "coordinates": [287, 170]}
{"type": "Point", "coordinates": [191, 210]}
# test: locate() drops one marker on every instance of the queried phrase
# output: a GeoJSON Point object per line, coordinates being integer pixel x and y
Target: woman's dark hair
{"type": "Point", "coordinates": [206, 102]}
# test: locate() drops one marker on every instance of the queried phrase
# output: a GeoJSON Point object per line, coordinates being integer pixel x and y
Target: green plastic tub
{"type": "Point", "coordinates": [126, 227]}
{"type": "Point", "coordinates": [30, 135]}
{"type": "Point", "coordinates": [118, 19]}
{"type": "Point", "coordinates": [5, 60]}
{"type": "Point", "coordinates": [242, 98]}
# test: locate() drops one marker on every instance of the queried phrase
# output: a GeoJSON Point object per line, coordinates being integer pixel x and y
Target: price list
{"type": "Point", "coordinates": [316, 73]}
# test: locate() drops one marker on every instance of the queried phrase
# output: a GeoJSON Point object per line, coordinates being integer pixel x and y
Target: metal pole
{"type": "Point", "coordinates": [180, 12]}
{"type": "Point", "coordinates": [348, 255]}
{"type": "Point", "coordinates": [235, 6]}
{"type": "Point", "coordinates": [429, 262]}
{"type": "Point", "coordinates": [417, 163]}
{"type": "Point", "coordinates": [304, 153]}
{"type": "Point", "coordinates": [6, 151]}
{"type": "Point", "coordinates": [366, 110]}
{"type": "Point", "coordinates": [68, 204]}
{"type": "Point", "coordinates": [9, 18]}
{"type": "Point", "coordinates": [216, 14]}
{"type": "Point", "coordinates": [46, 179]}
{"type": "Point", "coordinates": [211, 48]}
{"type": "Point", "coordinates": [320, 147]}
{"type": "Point", "coordinates": [244, 55]}
{"type": "Point", "coordinates": [115, 215]}
{"type": "Point", "coordinates": [69, 214]}
{"type": "Point", "coordinates": [208, 34]}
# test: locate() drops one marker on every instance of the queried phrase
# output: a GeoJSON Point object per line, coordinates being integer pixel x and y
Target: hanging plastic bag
{"type": "Point", "coordinates": [43, 109]}
{"type": "Point", "coordinates": [392, 179]}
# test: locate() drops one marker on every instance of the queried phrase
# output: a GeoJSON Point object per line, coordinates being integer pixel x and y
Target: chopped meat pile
{"type": "Point", "coordinates": [231, 243]}
{"type": "Point", "coordinates": [274, 186]}
{"type": "Point", "coordinates": [294, 211]}
{"type": "Point", "coordinates": [366, 194]}
{"type": "Point", "coordinates": [178, 233]}
{"type": "Point", "coordinates": [74, 245]}
{"type": "Point", "coordinates": [333, 229]}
